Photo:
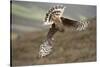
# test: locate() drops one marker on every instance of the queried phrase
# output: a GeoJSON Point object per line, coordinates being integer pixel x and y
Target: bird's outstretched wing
{"type": "Point", "coordinates": [46, 46]}
{"type": "Point", "coordinates": [77, 25]}
{"type": "Point", "coordinates": [69, 22]}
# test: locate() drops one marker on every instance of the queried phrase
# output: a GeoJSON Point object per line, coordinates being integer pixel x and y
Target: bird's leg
{"type": "Point", "coordinates": [60, 27]}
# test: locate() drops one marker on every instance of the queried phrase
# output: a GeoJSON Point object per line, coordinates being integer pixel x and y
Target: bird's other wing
{"type": "Point", "coordinates": [69, 22]}
{"type": "Point", "coordinates": [78, 25]}
{"type": "Point", "coordinates": [56, 10]}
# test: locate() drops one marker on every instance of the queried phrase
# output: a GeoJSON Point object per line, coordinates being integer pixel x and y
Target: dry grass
{"type": "Point", "coordinates": [70, 46]}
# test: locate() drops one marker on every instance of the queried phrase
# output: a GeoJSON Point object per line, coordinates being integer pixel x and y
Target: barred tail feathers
{"type": "Point", "coordinates": [56, 10]}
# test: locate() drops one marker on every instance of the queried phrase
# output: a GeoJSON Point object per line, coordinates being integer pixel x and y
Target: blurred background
{"type": "Point", "coordinates": [28, 32]}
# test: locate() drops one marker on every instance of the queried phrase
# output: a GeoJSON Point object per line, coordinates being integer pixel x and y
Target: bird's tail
{"type": "Point", "coordinates": [56, 10]}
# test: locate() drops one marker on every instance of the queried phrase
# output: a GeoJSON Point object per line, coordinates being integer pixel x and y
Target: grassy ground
{"type": "Point", "coordinates": [69, 47]}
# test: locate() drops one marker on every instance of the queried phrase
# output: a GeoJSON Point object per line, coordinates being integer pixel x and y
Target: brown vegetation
{"type": "Point", "coordinates": [70, 46]}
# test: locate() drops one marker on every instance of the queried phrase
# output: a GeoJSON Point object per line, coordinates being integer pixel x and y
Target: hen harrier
{"type": "Point", "coordinates": [58, 23]}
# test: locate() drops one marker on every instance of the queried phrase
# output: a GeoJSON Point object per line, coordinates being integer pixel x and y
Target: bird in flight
{"type": "Point", "coordinates": [54, 18]}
